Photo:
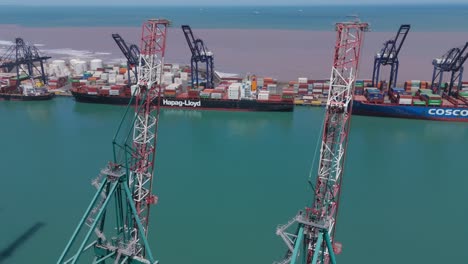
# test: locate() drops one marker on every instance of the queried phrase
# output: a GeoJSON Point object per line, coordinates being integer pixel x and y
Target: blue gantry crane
{"type": "Point", "coordinates": [24, 58]}
{"type": "Point", "coordinates": [200, 54]}
{"type": "Point", "coordinates": [452, 62]}
{"type": "Point", "coordinates": [388, 55]}
{"type": "Point", "coordinates": [132, 54]}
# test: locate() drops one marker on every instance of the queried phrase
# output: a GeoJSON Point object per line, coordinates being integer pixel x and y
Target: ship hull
{"type": "Point", "coordinates": [439, 113]}
{"type": "Point", "coordinates": [194, 104]}
{"type": "Point", "coordinates": [20, 97]}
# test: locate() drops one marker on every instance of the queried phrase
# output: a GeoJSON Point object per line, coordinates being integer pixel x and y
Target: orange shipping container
{"type": "Point", "coordinates": [254, 85]}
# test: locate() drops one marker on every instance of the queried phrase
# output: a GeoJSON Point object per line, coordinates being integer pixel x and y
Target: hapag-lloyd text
{"type": "Point", "coordinates": [182, 103]}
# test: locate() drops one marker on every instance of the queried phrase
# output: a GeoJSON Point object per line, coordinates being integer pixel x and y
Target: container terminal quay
{"type": "Point", "coordinates": [28, 75]}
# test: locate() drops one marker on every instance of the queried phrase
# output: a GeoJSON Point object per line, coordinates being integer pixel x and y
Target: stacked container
{"type": "Point", "coordinates": [413, 86]}
{"type": "Point", "coordinates": [374, 95]}
{"type": "Point", "coordinates": [234, 91]}
{"type": "Point", "coordinates": [302, 87]}
{"type": "Point", "coordinates": [259, 83]}
{"type": "Point", "coordinates": [263, 95]}
{"type": "Point", "coordinates": [206, 93]}
{"type": "Point", "coordinates": [359, 87]}
{"type": "Point", "coordinates": [272, 88]}
{"type": "Point", "coordinates": [427, 96]}
{"type": "Point", "coordinates": [288, 95]}
{"type": "Point", "coordinates": [172, 90]}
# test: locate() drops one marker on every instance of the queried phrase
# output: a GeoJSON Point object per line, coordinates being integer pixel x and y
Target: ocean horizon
{"type": "Point", "coordinates": [384, 18]}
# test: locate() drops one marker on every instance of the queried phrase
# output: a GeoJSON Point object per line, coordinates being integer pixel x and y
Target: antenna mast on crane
{"type": "Point", "coordinates": [121, 231]}
{"type": "Point", "coordinates": [312, 241]}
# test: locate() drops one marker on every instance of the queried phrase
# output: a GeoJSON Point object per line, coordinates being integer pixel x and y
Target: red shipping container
{"type": "Point", "coordinates": [104, 92]}
{"type": "Point", "coordinates": [274, 99]}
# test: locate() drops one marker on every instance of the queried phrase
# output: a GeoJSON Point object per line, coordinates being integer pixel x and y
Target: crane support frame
{"type": "Point", "coordinates": [388, 55]}
{"type": "Point", "coordinates": [132, 54]}
{"type": "Point", "coordinates": [200, 54]}
{"type": "Point", "coordinates": [452, 61]}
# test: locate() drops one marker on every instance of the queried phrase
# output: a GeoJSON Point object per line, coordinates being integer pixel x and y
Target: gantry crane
{"type": "Point", "coordinates": [200, 53]}
{"type": "Point", "coordinates": [127, 181]}
{"type": "Point", "coordinates": [452, 62]}
{"type": "Point", "coordinates": [132, 54]}
{"type": "Point", "coordinates": [312, 241]}
{"type": "Point", "coordinates": [23, 58]}
{"type": "Point", "coordinates": [388, 55]}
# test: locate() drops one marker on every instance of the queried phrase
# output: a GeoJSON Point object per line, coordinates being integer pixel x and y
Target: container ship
{"type": "Point", "coordinates": [414, 101]}
{"type": "Point", "coordinates": [109, 85]}
{"type": "Point", "coordinates": [220, 98]}
{"type": "Point", "coordinates": [24, 91]}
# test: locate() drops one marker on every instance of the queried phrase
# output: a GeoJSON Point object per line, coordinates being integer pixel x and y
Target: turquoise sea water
{"type": "Point", "coordinates": [226, 180]}
{"type": "Point", "coordinates": [441, 17]}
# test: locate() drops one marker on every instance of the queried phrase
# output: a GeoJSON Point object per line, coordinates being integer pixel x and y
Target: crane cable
{"type": "Point", "coordinates": [315, 155]}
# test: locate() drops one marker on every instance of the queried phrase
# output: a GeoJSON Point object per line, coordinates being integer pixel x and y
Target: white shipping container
{"type": "Point", "coordinates": [184, 75]}
{"type": "Point", "coordinates": [107, 87]}
{"type": "Point", "coordinates": [318, 85]}
{"type": "Point", "coordinates": [83, 81]}
{"type": "Point", "coordinates": [414, 89]}
{"type": "Point", "coordinates": [405, 101]}
{"type": "Point", "coordinates": [92, 93]}
{"type": "Point", "coordinates": [114, 92]}
{"type": "Point", "coordinates": [302, 80]}
{"type": "Point", "coordinates": [216, 95]}
{"type": "Point", "coordinates": [307, 97]}
{"type": "Point", "coordinates": [104, 76]}
{"type": "Point", "coordinates": [178, 80]}
{"type": "Point", "coordinates": [317, 90]}
{"type": "Point", "coordinates": [235, 85]}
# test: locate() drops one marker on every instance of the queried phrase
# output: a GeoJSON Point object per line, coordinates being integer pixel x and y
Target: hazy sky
{"type": "Point", "coordinates": [218, 2]}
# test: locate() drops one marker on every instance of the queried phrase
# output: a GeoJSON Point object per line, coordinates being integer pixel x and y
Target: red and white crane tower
{"type": "Point", "coordinates": [313, 239]}
{"type": "Point", "coordinates": [118, 215]}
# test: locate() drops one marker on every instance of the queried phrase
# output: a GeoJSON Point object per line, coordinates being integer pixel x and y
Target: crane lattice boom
{"type": "Point", "coordinates": [127, 181]}
{"type": "Point", "coordinates": [313, 240]}
{"type": "Point", "coordinates": [146, 124]}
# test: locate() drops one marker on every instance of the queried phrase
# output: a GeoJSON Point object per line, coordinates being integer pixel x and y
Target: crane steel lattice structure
{"type": "Point", "coordinates": [200, 53]}
{"type": "Point", "coordinates": [24, 57]}
{"type": "Point", "coordinates": [132, 54]}
{"type": "Point", "coordinates": [312, 241]}
{"type": "Point", "coordinates": [388, 55]}
{"type": "Point", "coordinates": [452, 61]}
{"type": "Point", "coordinates": [128, 180]}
